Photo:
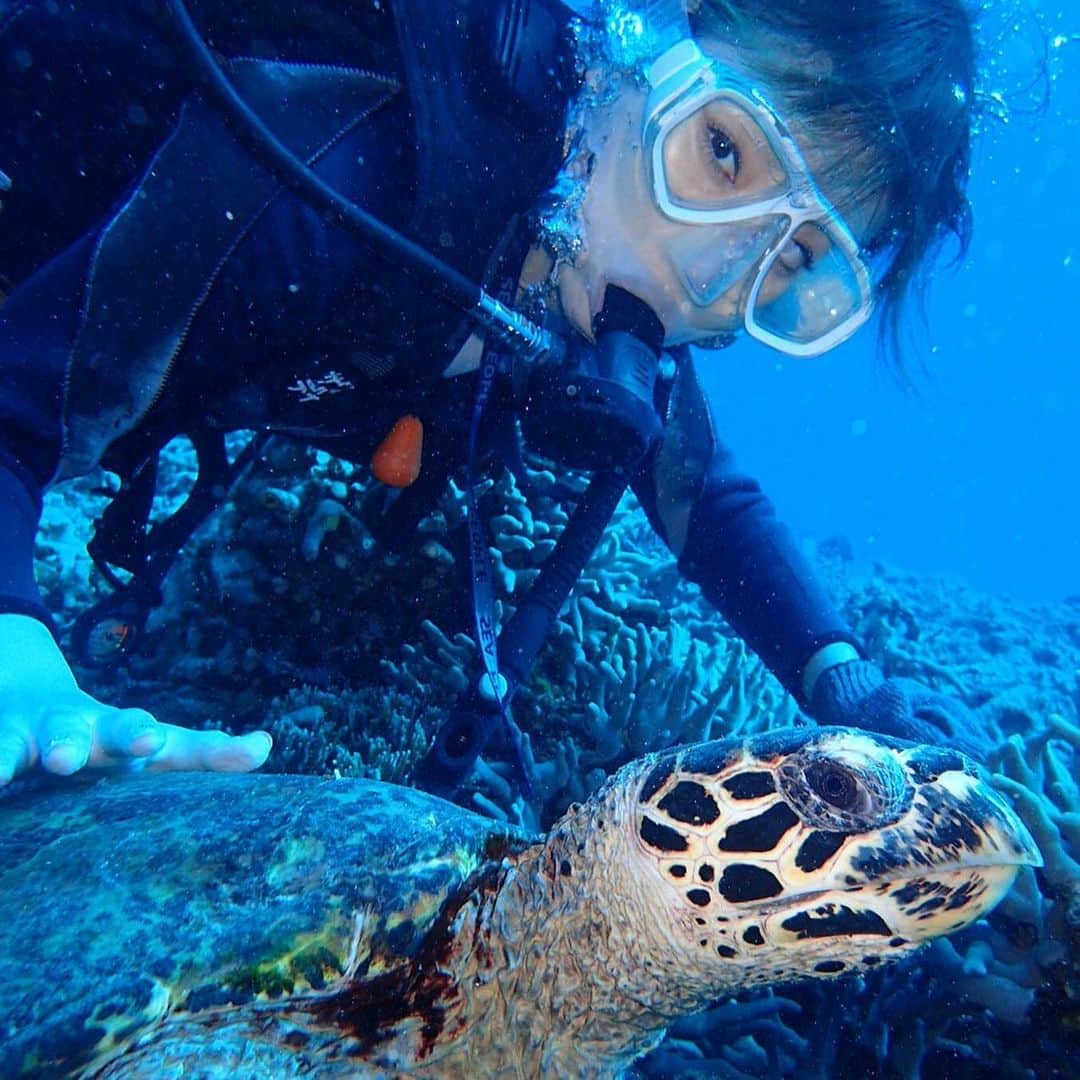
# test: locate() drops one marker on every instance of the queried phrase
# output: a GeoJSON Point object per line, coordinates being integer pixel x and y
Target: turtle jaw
{"type": "Point", "coordinates": [921, 902]}
{"type": "Point", "coordinates": [900, 912]}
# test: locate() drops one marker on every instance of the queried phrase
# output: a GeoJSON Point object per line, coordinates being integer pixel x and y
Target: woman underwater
{"type": "Point", "coordinates": [780, 169]}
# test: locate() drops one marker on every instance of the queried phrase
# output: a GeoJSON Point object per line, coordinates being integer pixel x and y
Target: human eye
{"type": "Point", "coordinates": [722, 151]}
{"type": "Point", "coordinates": [805, 249]}
{"type": "Point", "coordinates": [796, 255]}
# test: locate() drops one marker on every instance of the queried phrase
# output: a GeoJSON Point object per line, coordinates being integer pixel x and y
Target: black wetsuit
{"type": "Point", "coordinates": [189, 292]}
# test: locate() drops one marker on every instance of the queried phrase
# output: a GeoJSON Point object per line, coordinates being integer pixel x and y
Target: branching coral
{"type": "Point", "coordinates": [736, 1040]}
{"type": "Point", "coordinates": [1040, 773]}
{"type": "Point", "coordinates": [357, 733]}
{"type": "Point", "coordinates": [1011, 664]}
{"type": "Point", "coordinates": [63, 569]}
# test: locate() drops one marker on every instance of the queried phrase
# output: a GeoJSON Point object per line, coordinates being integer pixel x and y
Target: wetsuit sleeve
{"type": "Point", "coordinates": [37, 326]}
{"type": "Point", "coordinates": [750, 568]}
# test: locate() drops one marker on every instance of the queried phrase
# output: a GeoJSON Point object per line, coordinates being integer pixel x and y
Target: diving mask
{"type": "Point", "coordinates": [767, 245]}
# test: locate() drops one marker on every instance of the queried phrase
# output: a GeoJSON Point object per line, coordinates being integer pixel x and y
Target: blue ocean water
{"type": "Point", "coordinates": [974, 477]}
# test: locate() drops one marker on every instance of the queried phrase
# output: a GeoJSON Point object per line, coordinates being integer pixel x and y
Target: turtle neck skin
{"type": "Point", "coordinates": [565, 967]}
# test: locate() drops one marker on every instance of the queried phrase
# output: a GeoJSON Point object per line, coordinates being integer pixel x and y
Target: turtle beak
{"type": "Point", "coordinates": [1005, 839]}
{"type": "Point", "coordinates": [968, 821]}
{"type": "Point", "coordinates": [961, 846]}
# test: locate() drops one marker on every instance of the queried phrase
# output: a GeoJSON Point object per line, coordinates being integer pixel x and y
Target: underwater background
{"type": "Point", "coordinates": [944, 521]}
{"type": "Point", "coordinates": [975, 474]}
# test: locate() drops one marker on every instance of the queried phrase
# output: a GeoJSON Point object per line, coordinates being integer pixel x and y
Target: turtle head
{"type": "Point", "coordinates": [817, 851]}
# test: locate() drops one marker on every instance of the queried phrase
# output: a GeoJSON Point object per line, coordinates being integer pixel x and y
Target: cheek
{"type": "Point", "coordinates": [622, 229]}
{"type": "Point", "coordinates": [624, 241]}
{"type": "Point", "coordinates": [776, 283]}
{"type": "Point", "coordinates": [616, 212]}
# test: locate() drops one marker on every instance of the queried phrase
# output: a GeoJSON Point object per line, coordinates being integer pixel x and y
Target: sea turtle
{"type": "Point", "coordinates": [242, 926]}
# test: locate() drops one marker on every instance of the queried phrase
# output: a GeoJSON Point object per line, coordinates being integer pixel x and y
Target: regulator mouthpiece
{"type": "Point", "coordinates": [596, 410]}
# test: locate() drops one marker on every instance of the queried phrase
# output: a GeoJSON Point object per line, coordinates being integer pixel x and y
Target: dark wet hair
{"type": "Point", "coordinates": [889, 83]}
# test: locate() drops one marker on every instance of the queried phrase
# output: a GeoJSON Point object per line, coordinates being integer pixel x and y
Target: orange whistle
{"type": "Point", "coordinates": [396, 463]}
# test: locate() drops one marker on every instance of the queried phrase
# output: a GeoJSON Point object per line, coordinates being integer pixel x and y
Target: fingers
{"type": "Point", "coordinates": [73, 737]}
{"type": "Point", "coordinates": [85, 733]}
{"type": "Point", "coordinates": [64, 738]}
{"type": "Point", "coordinates": [959, 725]}
{"type": "Point", "coordinates": [67, 756]}
{"type": "Point", "coordinates": [213, 751]}
{"type": "Point", "coordinates": [575, 300]}
{"type": "Point", "coordinates": [946, 714]}
{"type": "Point", "coordinates": [46, 719]}
{"type": "Point", "coordinates": [128, 733]}
{"type": "Point", "coordinates": [60, 738]}
{"type": "Point", "coordinates": [15, 753]}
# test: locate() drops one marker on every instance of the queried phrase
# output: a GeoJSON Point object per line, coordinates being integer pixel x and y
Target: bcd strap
{"type": "Point", "coordinates": [684, 452]}
{"type": "Point", "coordinates": [123, 538]}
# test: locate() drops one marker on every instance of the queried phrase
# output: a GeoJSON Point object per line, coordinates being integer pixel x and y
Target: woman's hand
{"type": "Point", "coordinates": [857, 694]}
{"type": "Point", "coordinates": [46, 720]}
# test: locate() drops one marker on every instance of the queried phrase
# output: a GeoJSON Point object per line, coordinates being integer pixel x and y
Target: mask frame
{"type": "Point", "coordinates": [682, 81]}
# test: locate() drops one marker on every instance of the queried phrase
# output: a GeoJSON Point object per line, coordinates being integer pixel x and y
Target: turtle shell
{"type": "Point", "coordinates": [127, 899]}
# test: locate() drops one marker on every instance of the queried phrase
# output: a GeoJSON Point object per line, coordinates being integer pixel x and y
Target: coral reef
{"type": "Point", "coordinates": [285, 611]}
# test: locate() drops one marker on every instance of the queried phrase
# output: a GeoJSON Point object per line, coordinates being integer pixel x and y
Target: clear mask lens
{"type": "Point", "coordinates": [763, 245]}
{"type": "Point", "coordinates": [717, 158]}
{"type": "Point", "coordinates": [811, 292]}
{"type": "Point", "coordinates": [712, 261]}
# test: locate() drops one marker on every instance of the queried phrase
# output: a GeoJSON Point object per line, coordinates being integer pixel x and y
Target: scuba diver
{"type": "Point", "coordinates": [349, 223]}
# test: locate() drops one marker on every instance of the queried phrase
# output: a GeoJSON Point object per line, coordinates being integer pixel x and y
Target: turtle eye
{"type": "Point", "coordinates": [836, 785]}
{"type": "Point", "coordinates": [845, 788]}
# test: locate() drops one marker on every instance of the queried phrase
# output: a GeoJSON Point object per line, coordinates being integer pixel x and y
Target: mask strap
{"type": "Point", "coordinates": [666, 21]}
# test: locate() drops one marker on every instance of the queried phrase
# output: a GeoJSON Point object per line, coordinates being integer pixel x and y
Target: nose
{"type": "Point", "coordinates": [712, 262]}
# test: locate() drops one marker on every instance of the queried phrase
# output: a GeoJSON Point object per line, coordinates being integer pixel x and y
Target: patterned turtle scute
{"type": "Point", "coordinates": [257, 888]}
{"type": "Point", "coordinates": [690, 803]}
{"type": "Point", "coordinates": [750, 785]}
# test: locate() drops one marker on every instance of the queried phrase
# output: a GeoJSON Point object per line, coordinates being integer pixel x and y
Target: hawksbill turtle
{"type": "Point", "coordinates": [212, 926]}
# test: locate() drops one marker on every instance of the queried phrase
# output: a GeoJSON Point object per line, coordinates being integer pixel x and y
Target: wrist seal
{"type": "Point", "coordinates": [827, 657]}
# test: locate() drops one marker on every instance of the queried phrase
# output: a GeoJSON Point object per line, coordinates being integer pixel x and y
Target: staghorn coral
{"type": "Point", "coordinates": [375, 734]}
{"type": "Point", "coordinates": [64, 571]}
{"type": "Point", "coordinates": [1040, 773]}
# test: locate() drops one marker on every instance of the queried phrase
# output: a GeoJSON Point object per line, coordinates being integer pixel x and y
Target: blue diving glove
{"type": "Point", "coordinates": [857, 694]}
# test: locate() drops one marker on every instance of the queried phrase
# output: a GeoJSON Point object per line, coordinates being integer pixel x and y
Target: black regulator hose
{"type": "Point", "coordinates": [587, 388]}
{"type": "Point", "coordinates": [287, 169]}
